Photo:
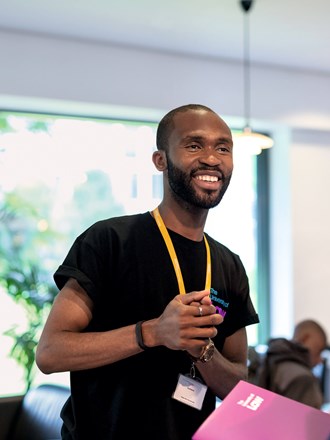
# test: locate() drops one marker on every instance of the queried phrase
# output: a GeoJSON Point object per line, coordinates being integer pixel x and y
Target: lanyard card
{"type": "Point", "coordinates": [190, 391]}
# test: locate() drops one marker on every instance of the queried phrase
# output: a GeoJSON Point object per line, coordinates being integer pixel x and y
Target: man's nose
{"type": "Point", "coordinates": [210, 156]}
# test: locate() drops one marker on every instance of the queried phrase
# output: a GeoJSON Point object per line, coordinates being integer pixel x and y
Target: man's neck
{"type": "Point", "coordinates": [184, 220]}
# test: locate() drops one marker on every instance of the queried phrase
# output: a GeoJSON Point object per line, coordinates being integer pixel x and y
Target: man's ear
{"type": "Point", "coordinates": [304, 339]}
{"type": "Point", "coordinates": [159, 159]}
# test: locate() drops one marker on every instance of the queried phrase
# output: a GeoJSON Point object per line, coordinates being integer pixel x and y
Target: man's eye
{"type": "Point", "coordinates": [223, 148]}
{"type": "Point", "coordinates": [194, 146]}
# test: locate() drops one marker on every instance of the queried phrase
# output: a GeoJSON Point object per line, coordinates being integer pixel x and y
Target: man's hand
{"type": "Point", "coordinates": [187, 323]}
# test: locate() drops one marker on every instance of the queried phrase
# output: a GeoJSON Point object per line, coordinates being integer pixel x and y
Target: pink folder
{"type": "Point", "coordinates": [253, 413]}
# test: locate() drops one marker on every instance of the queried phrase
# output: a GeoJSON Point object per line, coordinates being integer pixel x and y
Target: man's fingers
{"type": "Point", "coordinates": [197, 296]}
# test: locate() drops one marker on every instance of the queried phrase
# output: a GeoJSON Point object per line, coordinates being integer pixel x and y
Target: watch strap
{"type": "Point", "coordinates": [139, 337]}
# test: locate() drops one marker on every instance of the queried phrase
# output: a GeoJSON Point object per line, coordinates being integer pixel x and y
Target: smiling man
{"type": "Point", "coordinates": [151, 314]}
{"type": "Point", "coordinates": [205, 154]}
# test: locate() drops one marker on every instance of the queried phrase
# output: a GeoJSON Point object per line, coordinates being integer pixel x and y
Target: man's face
{"type": "Point", "coordinates": [199, 158]}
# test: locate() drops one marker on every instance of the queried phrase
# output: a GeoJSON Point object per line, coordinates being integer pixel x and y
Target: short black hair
{"type": "Point", "coordinates": [309, 326]}
{"type": "Point", "coordinates": [166, 123]}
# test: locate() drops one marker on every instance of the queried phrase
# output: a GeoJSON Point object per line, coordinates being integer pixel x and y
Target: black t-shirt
{"type": "Point", "coordinates": [124, 266]}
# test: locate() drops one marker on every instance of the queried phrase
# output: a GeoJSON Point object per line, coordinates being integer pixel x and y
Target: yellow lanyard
{"type": "Point", "coordinates": [174, 258]}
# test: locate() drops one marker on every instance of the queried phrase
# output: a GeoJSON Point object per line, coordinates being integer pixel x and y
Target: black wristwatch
{"type": "Point", "coordinates": [207, 353]}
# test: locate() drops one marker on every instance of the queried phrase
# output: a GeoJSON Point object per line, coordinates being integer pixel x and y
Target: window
{"type": "Point", "coordinates": [59, 175]}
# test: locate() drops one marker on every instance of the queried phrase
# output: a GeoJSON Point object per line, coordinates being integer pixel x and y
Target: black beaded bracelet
{"type": "Point", "coordinates": [138, 334]}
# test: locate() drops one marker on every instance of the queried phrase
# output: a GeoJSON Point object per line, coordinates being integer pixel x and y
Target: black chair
{"type": "Point", "coordinates": [34, 416]}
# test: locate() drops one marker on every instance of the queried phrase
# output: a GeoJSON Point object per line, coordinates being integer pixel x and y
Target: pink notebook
{"type": "Point", "coordinates": [253, 413]}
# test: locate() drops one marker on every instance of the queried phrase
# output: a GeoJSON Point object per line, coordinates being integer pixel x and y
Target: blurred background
{"type": "Point", "coordinates": [82, 87]}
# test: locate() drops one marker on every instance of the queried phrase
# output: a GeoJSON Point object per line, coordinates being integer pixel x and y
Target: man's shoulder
{"type": "Point", "coordinates": [121, 222]}
{"type": "Point", "coordinates": [291, 371]}
{"type": "Point", "coordinates": [120, 227]}
{"type": "Point", "coordinates": [217, 244]}
{"type": "Point", "coordinates": [222, 251]}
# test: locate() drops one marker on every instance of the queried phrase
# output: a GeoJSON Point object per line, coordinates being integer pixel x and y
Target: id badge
{"type": "Point", "coordinates": [190, 391]}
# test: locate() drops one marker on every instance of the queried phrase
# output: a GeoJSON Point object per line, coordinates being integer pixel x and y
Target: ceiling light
{"type": "Point", "coordinates": [249, 140]}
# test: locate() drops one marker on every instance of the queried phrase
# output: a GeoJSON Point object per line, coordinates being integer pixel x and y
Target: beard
{"type": "Point", "coordinates": [183, 190]}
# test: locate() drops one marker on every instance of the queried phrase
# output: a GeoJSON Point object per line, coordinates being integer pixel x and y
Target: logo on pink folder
{"type": "Point", "coordinates": [251, 402]}
{"type": "Point", "coordinates": [253, 413]}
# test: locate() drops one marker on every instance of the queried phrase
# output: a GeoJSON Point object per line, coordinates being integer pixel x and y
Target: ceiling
{"type": "Point", "coordinates": [286, 33]}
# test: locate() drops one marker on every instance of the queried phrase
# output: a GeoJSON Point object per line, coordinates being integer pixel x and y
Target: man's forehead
{"type": "Point", "coordinates": [200, 123]}
{"type": "Point", "coordinates": [197, 119]}
{"type": "Point", "coordinates": [195, 114]}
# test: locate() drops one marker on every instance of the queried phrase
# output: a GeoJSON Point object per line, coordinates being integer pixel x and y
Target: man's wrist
{"type": "Point", "coordinates": [206, 354]}
{"type": "Point", "coordinates": [139, 336]}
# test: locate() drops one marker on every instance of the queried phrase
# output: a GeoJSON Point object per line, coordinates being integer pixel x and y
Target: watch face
{"type": "Point", "coordinates": [208, 353]}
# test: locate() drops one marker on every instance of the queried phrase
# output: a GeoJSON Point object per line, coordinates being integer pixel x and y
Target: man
{"type": "Point", "coordinates": [152, 311]}
{"type": "Point", "coordinates": [287, 366]}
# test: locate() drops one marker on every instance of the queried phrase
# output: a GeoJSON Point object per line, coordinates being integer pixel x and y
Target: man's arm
{"type": "Point", "coordinates": [225, 370]}
{"type": "Point", "coordinates": [64, 346]}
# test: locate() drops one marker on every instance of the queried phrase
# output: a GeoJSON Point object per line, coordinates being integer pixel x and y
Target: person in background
{"type": "Point", "coordinates": [151, 314]}
{"type": "Point", "coordinates": [287, 365]}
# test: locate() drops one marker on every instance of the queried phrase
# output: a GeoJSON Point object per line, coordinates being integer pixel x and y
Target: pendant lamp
{"type": "Point", "coordinates": [249, 140]}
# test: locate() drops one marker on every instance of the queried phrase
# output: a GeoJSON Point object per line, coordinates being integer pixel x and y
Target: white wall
{"type": "Point", "coordinates": [40, 73]}
{"type": "Point", "coordinates": [310, 180]}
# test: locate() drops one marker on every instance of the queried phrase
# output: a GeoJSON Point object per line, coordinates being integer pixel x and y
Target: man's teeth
{"type": "Point", "coordinates": [207, 178]}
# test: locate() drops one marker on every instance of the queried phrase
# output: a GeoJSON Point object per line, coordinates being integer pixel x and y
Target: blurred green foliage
{"type": "Point", "coordinates": [23, 277]}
